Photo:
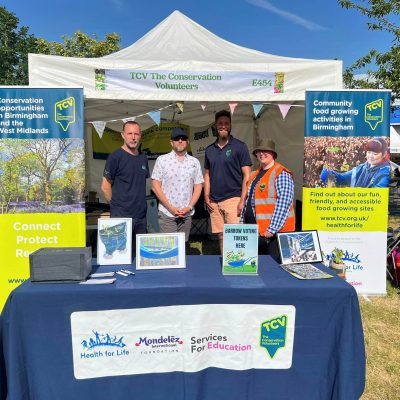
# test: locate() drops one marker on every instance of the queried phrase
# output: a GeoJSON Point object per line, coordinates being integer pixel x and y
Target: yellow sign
{"type": "Point", "coordinates": [25, 233]}
{"type": "Point", "coordinates": [345, 209]}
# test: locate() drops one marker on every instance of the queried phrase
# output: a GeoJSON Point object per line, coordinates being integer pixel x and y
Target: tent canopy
{"type": "Point", "coordinates": [179, 45]}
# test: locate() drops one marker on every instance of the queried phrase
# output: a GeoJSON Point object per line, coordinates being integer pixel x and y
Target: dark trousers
{"type": "Point", "coordinates": [139, 226]}
{"type": "Point", "coordinates": [270, 247]}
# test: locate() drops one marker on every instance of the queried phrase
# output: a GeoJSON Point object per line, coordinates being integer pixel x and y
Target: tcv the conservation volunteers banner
{"type": "Point", "coordinates": [346, 178]}
{"type": "Point", "coordinates": [42, 176]}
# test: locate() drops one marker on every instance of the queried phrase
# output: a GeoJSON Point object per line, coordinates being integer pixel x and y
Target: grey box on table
{"type": "Point", "coordinates": [64, 264]}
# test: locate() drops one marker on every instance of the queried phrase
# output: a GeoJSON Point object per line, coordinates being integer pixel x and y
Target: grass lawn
{"type": "Point", "coordinates": [381, 322]}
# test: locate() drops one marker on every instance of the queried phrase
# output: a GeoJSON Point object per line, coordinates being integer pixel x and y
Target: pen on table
{"type": "Point", "coordinates": [128, 272]}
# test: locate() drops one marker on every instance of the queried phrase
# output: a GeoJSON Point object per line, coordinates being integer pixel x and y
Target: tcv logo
{"type": "Point", "coordinates": [374, 113]}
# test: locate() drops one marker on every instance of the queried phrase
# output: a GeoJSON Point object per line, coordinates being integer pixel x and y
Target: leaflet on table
{"type": "Point", "coordinates": [305, 271]}
{"type": "Point", "coordinates": [240, 253]}
{"type": "Point", "coordinates": [102, 274]}
{"type": "Point", "coordinates": [95, 281]}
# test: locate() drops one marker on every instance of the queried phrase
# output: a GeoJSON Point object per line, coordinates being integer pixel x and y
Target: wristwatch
{"type": "Point", "coordinates": [191, 207]}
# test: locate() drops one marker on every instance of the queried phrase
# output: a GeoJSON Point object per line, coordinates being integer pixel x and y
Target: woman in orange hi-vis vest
{"type": "Point", "coordinates": [269, 202]}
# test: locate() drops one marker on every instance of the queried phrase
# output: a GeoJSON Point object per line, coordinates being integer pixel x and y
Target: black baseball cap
{"type": "Point", "coordinates": [177, 133]}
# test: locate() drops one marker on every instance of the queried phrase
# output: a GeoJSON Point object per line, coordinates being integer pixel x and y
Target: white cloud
{"type": "Point", "coordinates": [266, 5]}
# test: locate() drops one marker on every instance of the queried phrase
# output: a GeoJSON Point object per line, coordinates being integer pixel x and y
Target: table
{"type": "Point", "coordinates": [328, 354]}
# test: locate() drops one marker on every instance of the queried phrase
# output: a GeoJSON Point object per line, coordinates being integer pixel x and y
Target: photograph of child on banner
{"type": "Point", "coordinates": [346, 162]}
{"type": "Point", "coordinates": [374, 173]}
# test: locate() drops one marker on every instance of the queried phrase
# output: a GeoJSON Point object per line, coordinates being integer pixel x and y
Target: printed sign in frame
{"type": "Point", "coordinates": [114, 241]}
{"type": "Point", "coordinates": [240, 249]}
{"type": "Point", "coordinates": [160, 251]}
{"type": "Point", "coordinates": [299, 247]}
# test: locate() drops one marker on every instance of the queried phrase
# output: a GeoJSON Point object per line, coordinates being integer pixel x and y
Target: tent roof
{"type": "Point", "coordinates": [178, 38]}
{"type": "Point", "coordinates": [180, 44]}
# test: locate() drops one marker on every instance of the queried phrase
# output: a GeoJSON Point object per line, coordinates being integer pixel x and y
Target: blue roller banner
{"type": "Point", "coordinates": [42, 176]}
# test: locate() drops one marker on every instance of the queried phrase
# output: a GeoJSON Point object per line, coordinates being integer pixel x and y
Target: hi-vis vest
{"type": "Point", "coordinates": [265, 199]}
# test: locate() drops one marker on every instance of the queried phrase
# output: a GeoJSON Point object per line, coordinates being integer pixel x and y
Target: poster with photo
{"type": "Point", "coordinates": [299, 247]}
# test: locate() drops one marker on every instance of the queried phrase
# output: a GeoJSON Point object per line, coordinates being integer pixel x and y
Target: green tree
{"type": "Point", "coordinates": [384, 67]}
{"type": "Point", "coordinates": [15, 44]}
{"type": "Point", "coordinates": [81, 45]}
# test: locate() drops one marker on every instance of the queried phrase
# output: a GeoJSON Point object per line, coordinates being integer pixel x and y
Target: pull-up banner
{"type": "Point", "coordinates": [346, 179]}
{"type": "Point", "coordinates": [42, 176]}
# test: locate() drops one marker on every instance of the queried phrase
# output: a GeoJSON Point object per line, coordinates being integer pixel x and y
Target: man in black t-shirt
{"type": "Point", "coordinates": [124, 179]}
{"type": "Point", "coordinates": [227, 168]}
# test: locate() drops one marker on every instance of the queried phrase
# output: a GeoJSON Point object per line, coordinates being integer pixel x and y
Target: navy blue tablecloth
{"type": "Point", "coordinates": [328, 355]}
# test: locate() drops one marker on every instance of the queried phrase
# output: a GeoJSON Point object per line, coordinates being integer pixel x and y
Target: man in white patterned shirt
{"type": "Point", "coordinates": [177, 181]}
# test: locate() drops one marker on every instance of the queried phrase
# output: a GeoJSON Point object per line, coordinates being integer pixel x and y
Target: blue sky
{"type": "Point", "coordinates": [305, 29]}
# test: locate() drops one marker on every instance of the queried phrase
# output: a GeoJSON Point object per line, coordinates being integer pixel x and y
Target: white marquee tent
{"type": "Point", "coordinates": [180, 46]}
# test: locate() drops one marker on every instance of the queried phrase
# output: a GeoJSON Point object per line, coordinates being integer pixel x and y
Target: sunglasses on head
{"type": "Point", "coordinates": [177, 139]}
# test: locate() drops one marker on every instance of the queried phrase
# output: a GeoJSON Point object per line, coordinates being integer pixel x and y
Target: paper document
{"type": "Point", "coordinates": [98, 281]}
{"type": "Point", "coordinates": [102, 274]}
{"type": "Point", "coordinates": [305, 271]}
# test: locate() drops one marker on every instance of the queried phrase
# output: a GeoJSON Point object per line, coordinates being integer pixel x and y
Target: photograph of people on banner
{"type": "Point", "coordinates": [346, 162]}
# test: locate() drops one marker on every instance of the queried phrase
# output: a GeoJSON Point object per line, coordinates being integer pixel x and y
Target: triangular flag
{"type": "Point", "coordinates": [203, 106]}
{"type": "Point", "coordinates": [155, 116]}
{"type": "Point", "coordinates": [179, 104]}
{"type": "Point", "coordinates": [99, 126]}
{"type": "Point", "coordinates": [284, 109]}
{"type": "Point", "coordinates": [232, 106]}
{"type": "Point", "coordinates": [129, 119]}
{"type": "Point", "coordinates": [257, 108]}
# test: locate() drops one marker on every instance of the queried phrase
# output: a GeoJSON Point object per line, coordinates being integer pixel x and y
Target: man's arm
{"type": "Point", "coordinates": [246, 170]}
{"type": "Point", "coordinates": [207, 189]}
{"type": "Point", "coordinates": [156, 188]}
{"type": "Point", "coordinates": [106, 188]}
{"type": "Point", "coordinates": [195, 197]}
{"type": "Point", "coordinates": [196, 194]}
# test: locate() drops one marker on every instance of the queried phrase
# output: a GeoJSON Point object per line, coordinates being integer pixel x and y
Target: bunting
{"type": "Point", "coordinates": [203, 106]}
{"type": "Point", "coordinates": [155, 116]}
{"type": "Point", "coordinates": [99, 126]}
{"type": "Point", "coordinates": [179, 104]}
{"type": "Point", "coordinates": [257, 108]}
{"type": "Point", "coordinates": [232, 107]}
{"type": "Point", "coordinates": [284, 108]}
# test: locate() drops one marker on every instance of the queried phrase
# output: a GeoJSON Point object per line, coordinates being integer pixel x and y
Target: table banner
{"type": "Point", "coordinates": [346, 179]}
{"type": "Point", "coordinates": [42, 176]}
{"type": "Point", "coordinates": [186, 338]}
